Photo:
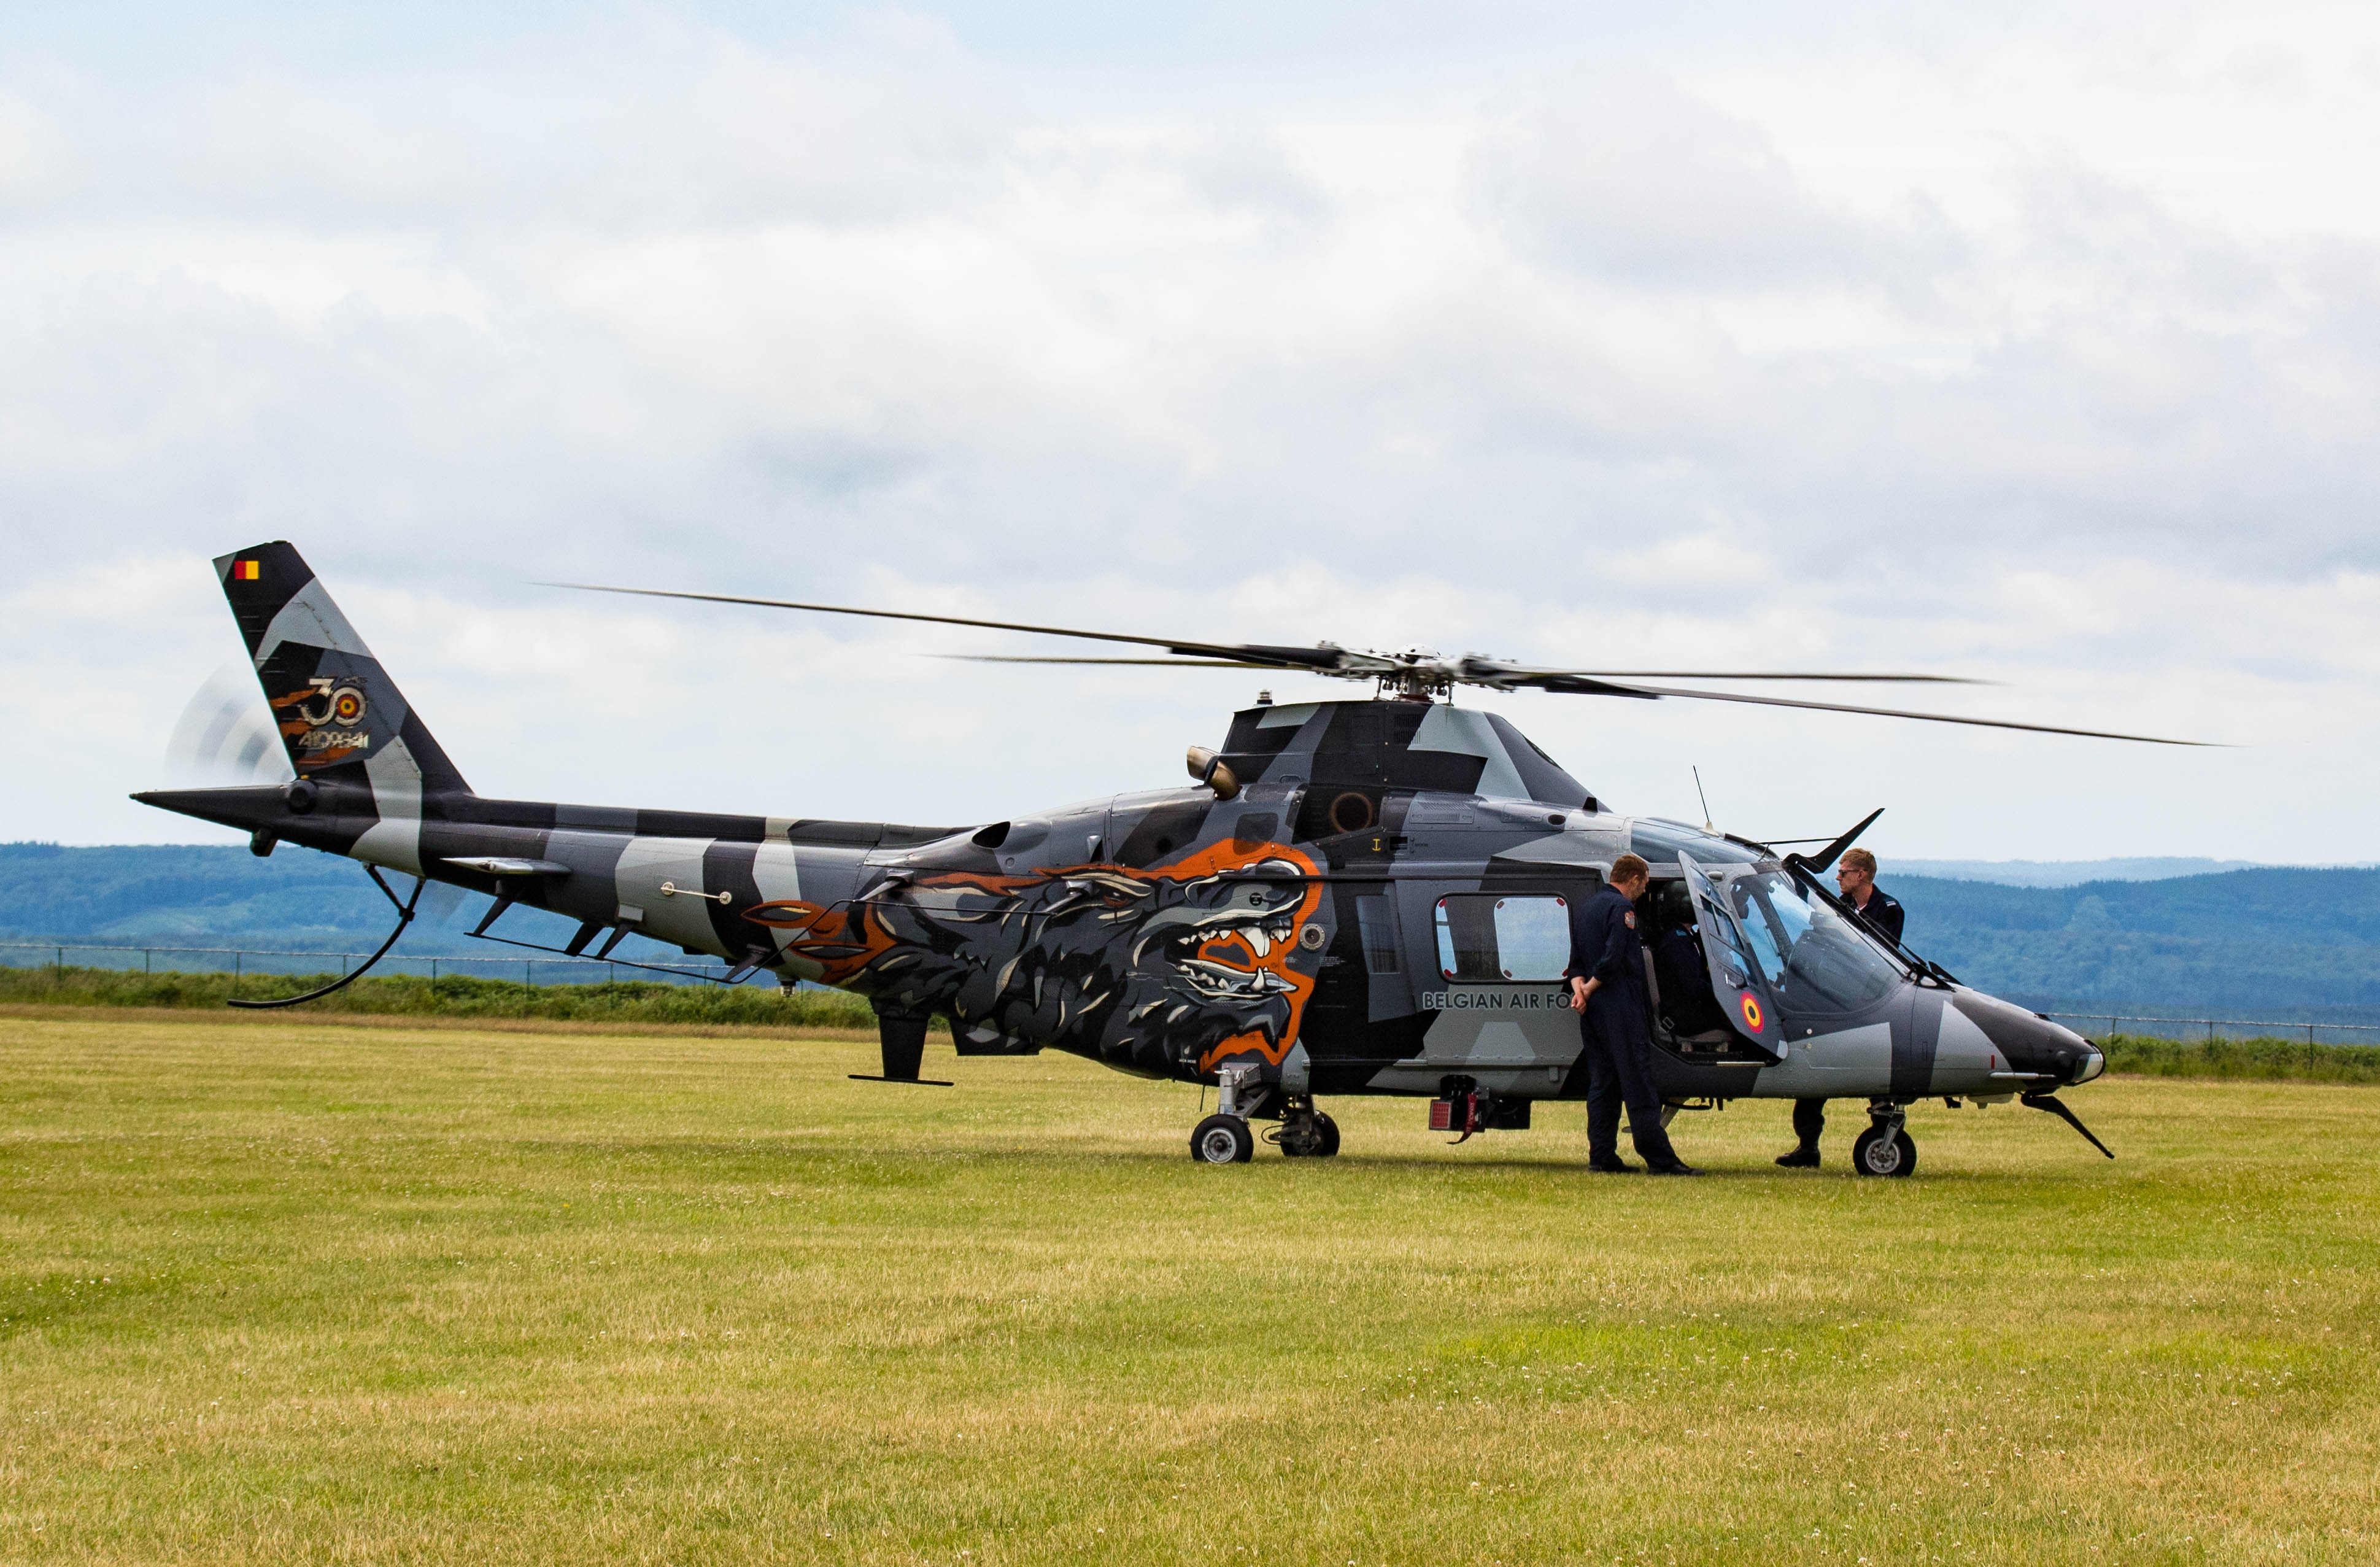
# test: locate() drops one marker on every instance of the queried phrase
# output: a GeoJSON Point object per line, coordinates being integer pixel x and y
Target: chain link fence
{"type": "Point", "coordinates": [2105, 1025]}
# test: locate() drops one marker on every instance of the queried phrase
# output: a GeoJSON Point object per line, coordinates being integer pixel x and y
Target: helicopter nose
{"type": "Point", "coordinates": [2030, 1041]}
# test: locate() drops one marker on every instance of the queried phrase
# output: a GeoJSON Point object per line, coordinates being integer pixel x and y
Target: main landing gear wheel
{"type": "Point", "coordinates": [1313, 1136]}
{"type": "Point", "coordinates": [1222, 1139]}
{"type": "Point", "coordinates": [1880, 1152]}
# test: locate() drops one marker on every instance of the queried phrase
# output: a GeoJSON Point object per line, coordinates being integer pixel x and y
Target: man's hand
{"type": "Point", "coordinates": [1579, 991]}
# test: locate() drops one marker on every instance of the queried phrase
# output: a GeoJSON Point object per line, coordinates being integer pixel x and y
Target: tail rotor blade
{"type": "Point", "coordinates": [225, 738]}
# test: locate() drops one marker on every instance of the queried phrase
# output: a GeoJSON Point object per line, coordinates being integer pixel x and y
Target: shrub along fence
{"type": "Point", "coordinates": [2279, 1059]}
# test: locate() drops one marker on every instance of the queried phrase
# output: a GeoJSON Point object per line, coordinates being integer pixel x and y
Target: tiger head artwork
{"type": "Point", "coordinates": [1147, 969]}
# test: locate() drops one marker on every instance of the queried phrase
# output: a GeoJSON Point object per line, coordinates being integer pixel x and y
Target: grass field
{"type": "Point", "coordinates": [291, 1290]}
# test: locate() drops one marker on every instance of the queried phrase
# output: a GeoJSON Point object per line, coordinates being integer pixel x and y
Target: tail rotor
{"type": "Point", "coordinates": [225, 738]}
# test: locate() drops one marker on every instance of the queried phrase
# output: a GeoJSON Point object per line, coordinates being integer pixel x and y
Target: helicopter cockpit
{"type": "Point", "coordinates": [1816, 962]}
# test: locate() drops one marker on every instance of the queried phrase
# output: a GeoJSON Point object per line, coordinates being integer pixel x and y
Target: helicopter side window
{"type": "Point", "coordinates": [1484, 939]}
{"type": "Point", "coordinates": [1818, 963]}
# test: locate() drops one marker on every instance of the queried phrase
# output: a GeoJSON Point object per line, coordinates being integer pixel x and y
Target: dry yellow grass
{"type": "Point", "coordinates": [328, 1292]}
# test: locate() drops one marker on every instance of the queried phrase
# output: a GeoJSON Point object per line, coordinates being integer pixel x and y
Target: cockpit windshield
{"type": "Point", "coordinates": [1813, 959]}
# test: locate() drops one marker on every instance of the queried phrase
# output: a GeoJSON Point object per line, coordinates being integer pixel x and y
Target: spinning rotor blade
{"type": "Point", "coordinates": [225, 738]}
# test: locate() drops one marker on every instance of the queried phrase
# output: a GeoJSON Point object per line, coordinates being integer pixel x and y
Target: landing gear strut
{"type": "Point", "coordinates": [1884, 1148]}
{"type": "Point", "coordinates": [1242, 1094]}
{"type": "Point", "coordinates": [1306, 1132]}
{"type": "Point", "coordinates": [1223, 1137]}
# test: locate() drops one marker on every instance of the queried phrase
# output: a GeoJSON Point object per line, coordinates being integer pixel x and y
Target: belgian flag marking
{"type": "Point", "coordinates": [247, 571]}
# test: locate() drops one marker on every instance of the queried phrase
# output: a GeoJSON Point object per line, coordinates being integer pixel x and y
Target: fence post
{"type": "Point", "coordinates": [145, 956]}
{"type": "Point", "coordinates": [61, 969]}
{"type": "Point", "coordinates": [235, 971]}
{"type": "Point", "coordinates": [527, 978]}
{"type": "Point", "coordinates": [433, 971]}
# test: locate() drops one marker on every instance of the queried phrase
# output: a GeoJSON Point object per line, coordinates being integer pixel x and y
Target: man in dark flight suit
{"type": "Point", "coordinates": [1606, 988]}
{"type": "Point", "coordinates": [1856, 876]}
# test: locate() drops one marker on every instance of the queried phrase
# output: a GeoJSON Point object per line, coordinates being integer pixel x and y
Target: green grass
{"type": "Point", "coordinates": [450, 995]}
{"type": "Point", "coordinates": [326, 1293]}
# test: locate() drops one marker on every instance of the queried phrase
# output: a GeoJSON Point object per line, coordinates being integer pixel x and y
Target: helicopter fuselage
{"type": "Point", "coordinates": [1418, 938]}
{"type": "Point", "coordinates": [1357, 897]}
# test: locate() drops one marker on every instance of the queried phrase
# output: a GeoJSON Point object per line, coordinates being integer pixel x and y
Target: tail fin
{"type": "Point", "coordinates": [340, 716]}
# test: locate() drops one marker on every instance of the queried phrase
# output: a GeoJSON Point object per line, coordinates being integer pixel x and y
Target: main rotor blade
{"type": "Point", "coordinates": [1244, 655]}
{"type": "Point", "coordinates": [1265, 657]}
{"type": "Point", "coordinates": [1331, 659]}
{"type": "Point", "coordinates": [1581, 674]}
{"type": "Point", "coordinates": [1879, 712]}
{"type": "Point", "coordinates": [1159, 663]}
{"type": "Point", "coordinates": [1758, 674]}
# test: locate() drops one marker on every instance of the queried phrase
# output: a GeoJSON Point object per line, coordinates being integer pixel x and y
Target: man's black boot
{"type": "Point", "coordinates": [1679, 1168]}
{"type": "Point", "coordinates": [1612, 1164]}
{"type": "Point", "coordinates": [1803, 1157]}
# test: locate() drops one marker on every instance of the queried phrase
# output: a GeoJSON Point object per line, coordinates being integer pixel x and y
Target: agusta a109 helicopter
{"type": "Point", "coordinates": [1353, 897]}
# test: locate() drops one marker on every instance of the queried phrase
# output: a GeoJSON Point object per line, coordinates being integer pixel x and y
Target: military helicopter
{"type": "Point", "coordinates": [1362, 896]}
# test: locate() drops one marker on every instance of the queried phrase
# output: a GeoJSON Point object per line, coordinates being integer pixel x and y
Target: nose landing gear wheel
{"type": "Point", "coordinates": [1878, 1152]}
{"type": "Point", "coordinates": [1222, 1139]}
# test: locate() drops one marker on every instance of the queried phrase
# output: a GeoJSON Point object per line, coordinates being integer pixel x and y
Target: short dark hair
{"type": "Point", "coordinates": [1859, 859]}
{"type": "Point", "coordinates": [1628, 867]}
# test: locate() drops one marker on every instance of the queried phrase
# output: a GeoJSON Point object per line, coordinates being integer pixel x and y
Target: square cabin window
{"type": "Point", "coordinates": [1487, 939]}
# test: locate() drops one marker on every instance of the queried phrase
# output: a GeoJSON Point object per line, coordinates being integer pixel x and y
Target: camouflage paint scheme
{"type": "Point", "coordinates": [1290, 928]}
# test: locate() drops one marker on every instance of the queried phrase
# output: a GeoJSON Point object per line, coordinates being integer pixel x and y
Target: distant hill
{"type": "Point", "coordinates": [220, 895]}
{"type": "Point", "coordinates": [2271, 941]}
{"type": "Point", "coordinates": [2064, 873]}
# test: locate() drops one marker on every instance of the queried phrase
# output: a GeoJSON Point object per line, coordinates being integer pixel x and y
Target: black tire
{"type": "Point", "coordinates": [1222, 1139]}
{"type": "Point", "coordinates": [1874, 1154]}
{"type": "Point", "coordinates": [1317, 1139]}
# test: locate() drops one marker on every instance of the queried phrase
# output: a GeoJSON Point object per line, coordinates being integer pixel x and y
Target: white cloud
{"type": "Point", "coordinates": [2029, 355]}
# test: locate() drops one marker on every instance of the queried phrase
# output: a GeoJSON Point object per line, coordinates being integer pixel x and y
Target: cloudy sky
{"type": "Point", "coordinates": [2028, 347]}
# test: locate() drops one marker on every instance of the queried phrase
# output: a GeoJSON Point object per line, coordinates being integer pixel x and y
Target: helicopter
{"type": "Point", "coordinates": [1360, 896]}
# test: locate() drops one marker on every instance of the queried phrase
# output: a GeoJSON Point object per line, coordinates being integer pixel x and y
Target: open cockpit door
{"type": "Point", "coordinates": [1742, 990]}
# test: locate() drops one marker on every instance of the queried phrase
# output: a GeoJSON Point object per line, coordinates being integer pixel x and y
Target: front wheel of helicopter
{"type": "Point", "coordinates": [1882, 1151]}
{"type": "Point", "coordinates": [1222, 1139]}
